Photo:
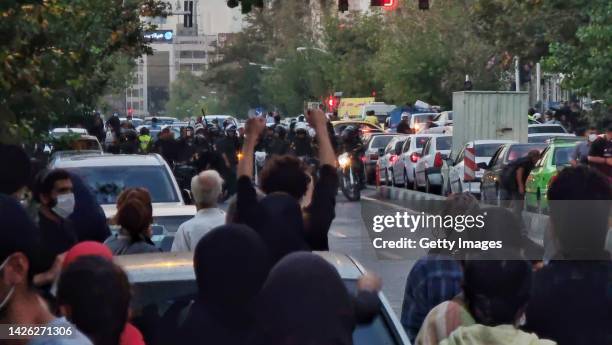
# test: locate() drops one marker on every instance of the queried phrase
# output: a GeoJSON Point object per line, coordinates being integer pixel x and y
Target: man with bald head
{"type": "Point", "coordinates": [206, 188]}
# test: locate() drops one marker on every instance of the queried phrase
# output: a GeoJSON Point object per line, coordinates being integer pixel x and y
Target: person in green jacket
{"type": "Point", "coordinates": [144, 140]}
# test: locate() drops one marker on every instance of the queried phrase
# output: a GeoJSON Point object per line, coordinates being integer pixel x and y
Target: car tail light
{"type": "Point", "coordinates": [438, 160]}
{"type": "Point", "coordinates": [392, 159]}
{"type": "Point", "coordinates": [551, 181]}
{"type": "Point", "coordinates": [373, 157]}
{"type": "Point", "coordinates": [363, 159]}
{"type": "Point", "coordinates": [414, 157]}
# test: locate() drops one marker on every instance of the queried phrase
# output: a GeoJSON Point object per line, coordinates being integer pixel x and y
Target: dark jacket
{"type": "Point", "coordinates": [56, 237]}
{"type": "Point", "coordinates": [571, 302]}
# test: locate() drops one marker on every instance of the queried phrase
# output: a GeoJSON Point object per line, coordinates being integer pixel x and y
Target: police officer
{"type": "Point", "coordinates": [278, 145]}
{"type": "Point", "coordinates": [301, 145]}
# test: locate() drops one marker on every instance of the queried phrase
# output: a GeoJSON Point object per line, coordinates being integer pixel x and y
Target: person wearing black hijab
{"type": "Point", "coordinates": [88, 216]}
{"type": "Point", "coordinates": [231, 264]}
{"type": "Point", "coordinates": [277, 218]}
{"type": "Point", "coordinates": [304, 301]}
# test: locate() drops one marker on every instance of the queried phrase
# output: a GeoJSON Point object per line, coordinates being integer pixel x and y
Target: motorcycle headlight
{"type": "Point", "coordinates": [344, 161]}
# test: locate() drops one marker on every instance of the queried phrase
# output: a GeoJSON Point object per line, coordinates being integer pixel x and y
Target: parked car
{"type": "Point", "coordinates": [388, 156]}
{"type": "Point", "coordinates": [418, 122]}
{"type": "Point", "coordinates": [545, 137]}
{"type": "Point", "coordinates": [372, 147]}
{"type": "Point", "coordinates": [164, 283]}
{"type": "Point", "coordinates": [57, 133]}
{"type": "Point", "coordinates": [453, 174]}
{"type": "Point", "coordinates": [109, 175]}
{"type": "Point", "coordinates": [444, 118]}
{"type": "Point", "coordinates": [136, 121]}
{"type": "Point", "coordinates": [220, 119]}
{"type": "Point", "coordinates": [366, 128]}
{"type": "Point", "coordinates": [491, 190]}
{"type": "Point", "coordinates": [554, 158]}
{"type": "Point", "coordinates": [545, 128]}
{"type": "Point", "coordinates": [161, 120]}
{"type": "Point", "coordinates": [427, 170]}
{"type": "Point", "coordinates": [411, 152]}
{"type": "Point", "coordinates": [81, 145]}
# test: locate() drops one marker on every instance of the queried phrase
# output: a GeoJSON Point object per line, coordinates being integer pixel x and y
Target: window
{"type": "Point", "coordinates": [380, 141]}
{"type": "Point", "coordinates": [407, 145]}
{"type": "Point", "coordinates": [199, 54]}
{"type": "Point", "coordinates": [546, 129]}
{"type": "Point", "coordinates": [421, 141]}
{"type": "Point", "coordinates": [108, 182]}
{"type": "Point", "coordinates": [486, 150]}
{"type": "Point", "coordinates": [562, 156]}
{"type": "Point", "coordinates": [398, 146]}
{"type": "Point", "coordinates": [443, 143]}
{"type": "Point", "coordinates": [426, 148]}
{"type": "Point", "coordinates": [188, 18]}
{"type": "Point", "coordinates": [543, 158]}
{"type": "Point", "coordinates": [186, 54]}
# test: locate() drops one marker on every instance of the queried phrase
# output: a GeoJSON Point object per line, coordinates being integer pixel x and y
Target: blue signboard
{"type": "Point", "coordinates": [159, 36]}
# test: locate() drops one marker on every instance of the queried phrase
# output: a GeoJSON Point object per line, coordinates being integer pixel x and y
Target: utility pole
{"type": "Point", "coordinates": [517, 76]}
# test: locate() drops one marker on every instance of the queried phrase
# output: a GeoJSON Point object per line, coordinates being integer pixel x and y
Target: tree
{"type": "Point", "coordinates": [189, 96]}
{"type": "Point", "coordinates": [587, 61]}
{"type": "Point", "coordinates": [58, 56]}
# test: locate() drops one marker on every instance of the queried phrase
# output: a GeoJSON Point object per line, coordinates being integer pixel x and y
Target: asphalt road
{"type": "Point", "coordinates": [347, 235]}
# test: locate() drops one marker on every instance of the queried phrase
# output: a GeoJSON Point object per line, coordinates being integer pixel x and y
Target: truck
{"type": "Point", "coordinates": [489, 115]}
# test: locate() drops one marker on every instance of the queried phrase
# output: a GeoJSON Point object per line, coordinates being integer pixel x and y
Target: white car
{"type": "Point", "coordinates": [387, 158]}
{"type": "Point", "coordinates": [221, 118]}
{"type": "Point", "coordinates": [373, 145]}
{"type": "Point", "coordinates": [443, 119]}
{"type": "Point", "coordinates": [411, 152]}
{"type": "Point", "coordinates": [540, 133]}
{"type": "Point", "coordinates": [427, 171]}
{"type": "Point", "coordinates": [60, 132]}
{"type": "Point", "coordinates": [418, 122]}
{"type": "Point", "coordinates": [454, 175]}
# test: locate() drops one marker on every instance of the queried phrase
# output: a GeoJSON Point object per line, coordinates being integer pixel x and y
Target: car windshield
{"type": "Point", "coordinates": [421, 141]}
{"type": "Point", "coordinates": [518, 151]}
{"type": "Point", "coordinates": [160, 122]}
{"type": "Point", "coordinates": [443, 143]}
{"type": "Point", "coordinates": [107, 182]}
{"type": "Point", "coordinates": [381, 141]}
{"type": "Point", "coordinates": [539, 139]}
{"type": "Point", "coordinates": [422, 118]}
{"type": "Point", "coordinates": [486, 150]}
{"type": "Point", "coordinates": [546, 129]}
{"type": "Point", "coordinates": [562, 156]}
{"type": "Point", "coordinates": [155, 301]}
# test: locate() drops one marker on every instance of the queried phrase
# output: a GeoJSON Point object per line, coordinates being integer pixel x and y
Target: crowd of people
{"type": "Point", "coordinates": [257, 280]}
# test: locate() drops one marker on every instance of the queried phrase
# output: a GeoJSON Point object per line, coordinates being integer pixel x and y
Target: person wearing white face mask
{"type": "Point", "coordinates": [581, 152]}
{"type": "Point", "coordinates": [53, 190]}
{"type": "Point", "coordinates": [20, 304]}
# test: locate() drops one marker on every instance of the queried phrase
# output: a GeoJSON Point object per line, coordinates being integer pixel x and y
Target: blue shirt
{"type": "Point", "coordinates": [432, 280]}
{"type": "Point", "coordinates": [76, 338]}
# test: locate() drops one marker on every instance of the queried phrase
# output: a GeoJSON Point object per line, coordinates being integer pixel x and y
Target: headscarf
{"type": "Point", "coordinates": [231, 264]}
{"type": "Point", "coordinates": [282, 225]}
{"type": "Point", "coordinates": [304, 301]}
{"type": "Point", "coordinates": [88, 217]}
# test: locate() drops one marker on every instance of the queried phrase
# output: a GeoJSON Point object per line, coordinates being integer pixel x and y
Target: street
{"type": "Point", "coordinates": [347, 236]}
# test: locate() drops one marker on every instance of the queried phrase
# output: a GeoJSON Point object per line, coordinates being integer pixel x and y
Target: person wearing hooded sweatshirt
{"type": "Point", "coordinates": [304, 301]}
{"type": "Point", "coordinates": [496, 290]}
{"type": "Point", "coordinates": [223, 312]}
{"type": "Point", "coordinates": [88, 216]}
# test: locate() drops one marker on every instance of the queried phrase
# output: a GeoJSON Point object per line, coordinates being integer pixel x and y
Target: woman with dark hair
{"type": "Point", "coordinates": [134, 216]}
{"type": "Point", "coordinates": [94, 294]}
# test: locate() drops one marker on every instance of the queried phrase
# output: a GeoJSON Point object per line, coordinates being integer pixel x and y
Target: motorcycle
{"type": "Point", "coordinates": [349, 181]}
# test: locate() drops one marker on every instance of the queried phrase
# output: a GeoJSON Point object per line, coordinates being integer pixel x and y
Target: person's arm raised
{"type": "Point", "coordinates": [253, 129]}
{"type": "Point", "coordinates": [316, 119]}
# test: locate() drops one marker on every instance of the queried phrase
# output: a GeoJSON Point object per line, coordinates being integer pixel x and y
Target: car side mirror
{"type": "Point", "coordinates": [381, 152]}
{"type": "Point", "coordinates": [186, 193]}
{"type": "Point", "coordinates": [483, 165]}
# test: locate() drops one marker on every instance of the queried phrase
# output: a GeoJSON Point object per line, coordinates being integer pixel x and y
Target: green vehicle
{"type": "Point", "coordinates": [554, 158]}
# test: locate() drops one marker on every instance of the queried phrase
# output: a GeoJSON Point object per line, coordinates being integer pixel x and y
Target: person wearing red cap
{"type": "Point", "coordinates": [130, 334]}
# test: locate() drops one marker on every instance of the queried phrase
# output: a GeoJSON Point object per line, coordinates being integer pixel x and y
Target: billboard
{"type": "Point", "coordinates": [352, 107]}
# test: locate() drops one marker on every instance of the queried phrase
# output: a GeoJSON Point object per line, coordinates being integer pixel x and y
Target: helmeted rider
{"type": "Point", "coordinates": [351, 143]}
{"type": "Point", "coordinates": [278, 145]}
{"type": "Point", "coordinates": [186, 144]}
{"type": "Point", "coordinates": [301, 145]}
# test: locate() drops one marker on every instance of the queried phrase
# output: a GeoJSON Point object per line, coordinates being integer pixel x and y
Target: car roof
{"type": "Point", "coordinates": [161, 118]}
{"type": "Point", "coordinates": [108, 160]}
{"type": "Point", "coordinates": [173, 209]}
{"type": "Point", "coordinates": [75, 130]}
{"type": "Point", "coordinates": [549, 134]}
{"type": "Point", "coordinates": [544, 125]}
{"type": "Point", "coordinates": [160, 267]}
{"type": "Point", "coordinates": [484, 142]}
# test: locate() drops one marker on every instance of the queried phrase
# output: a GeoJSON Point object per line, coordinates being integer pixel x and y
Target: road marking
{"type": "Point", "coordinates": [385, 203]}
{"type": "Point", "coordinates": [337, 234]}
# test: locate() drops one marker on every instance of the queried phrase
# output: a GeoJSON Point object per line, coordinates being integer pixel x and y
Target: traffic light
{"type": "Point", "coordinates": [343, 5]}
{"type": "Point", "coordinates": [423, 4]}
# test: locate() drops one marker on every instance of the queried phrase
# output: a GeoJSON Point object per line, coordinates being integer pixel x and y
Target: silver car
{"type": "Point", "coordinates": [165, 282]}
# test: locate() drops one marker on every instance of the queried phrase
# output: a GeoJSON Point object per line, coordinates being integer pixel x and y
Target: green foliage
{"type": "Point", "coordinates": [189, 96]}
{"type": "Point", "coordinates": [58, 54]}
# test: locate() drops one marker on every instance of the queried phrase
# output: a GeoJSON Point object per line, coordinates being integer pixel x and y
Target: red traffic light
{"type": "Point", "coordinates": [388, 5]}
